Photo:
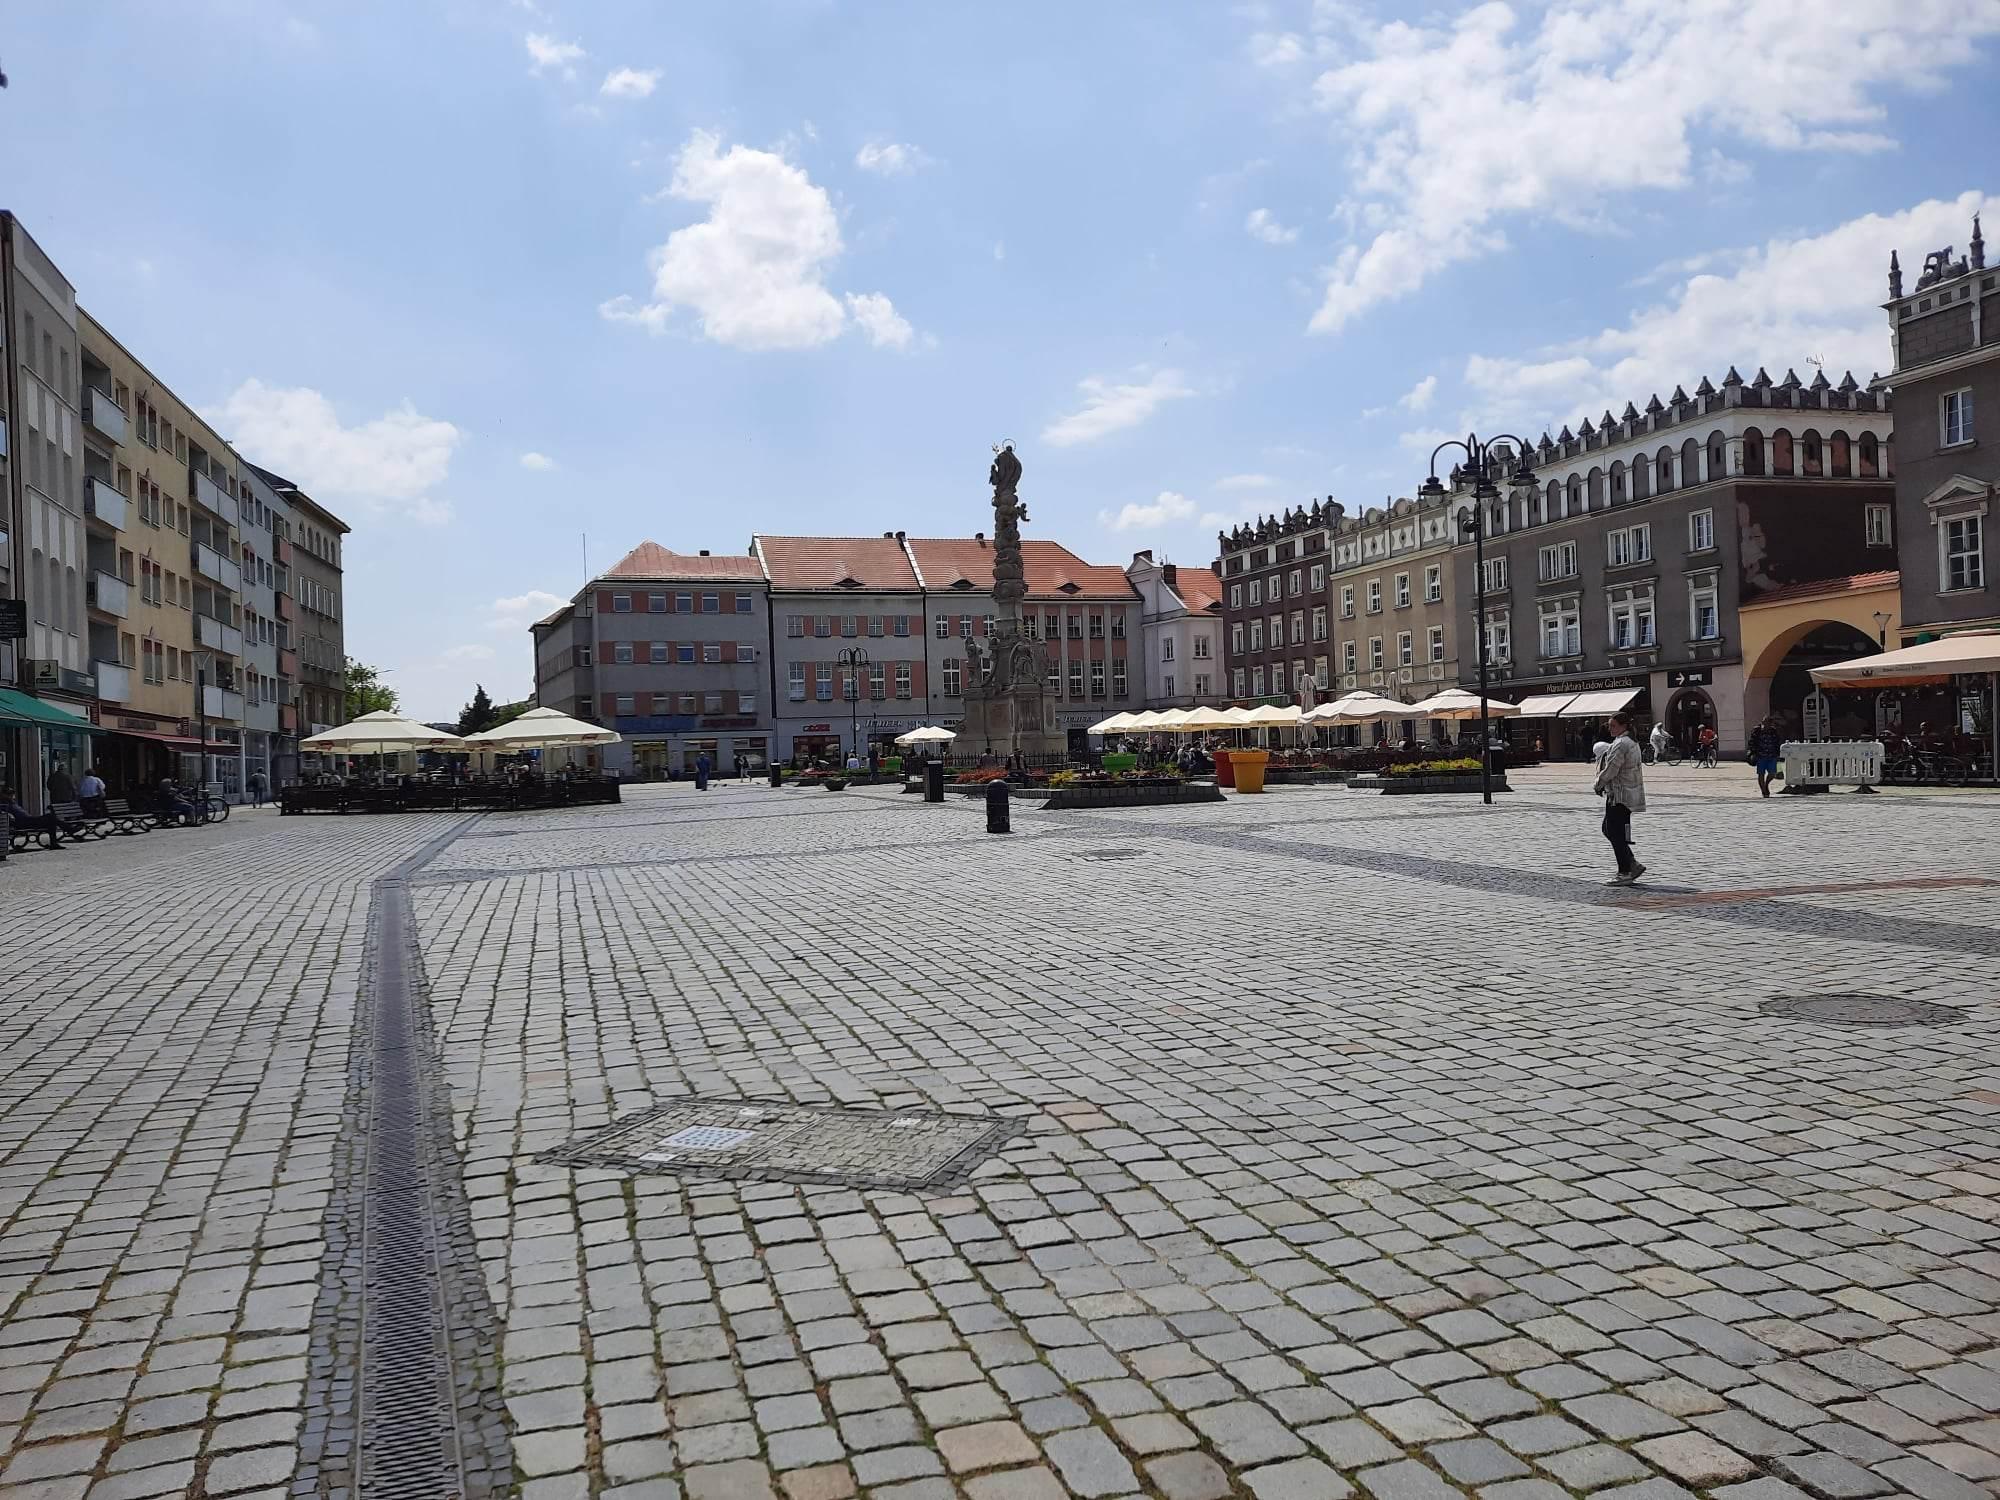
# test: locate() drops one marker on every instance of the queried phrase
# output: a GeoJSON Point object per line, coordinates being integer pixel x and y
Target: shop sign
{"type": "Point", "coordinates": [13, 619]}
{"type": "Point", "coordinates": [48, 674]}
{"type": "Point", "coordinates": [815, 729]}
{"type": "Point", "coordinates": [1078, 720]}
{"type": "Point", "coordinates": [729, 723]}
{"type": "Point", "coordinates": [147, 724]}
{"type": "Point", "coordinates": [1813, 710]}
{"type": "Point", "coordinates": [653, 723]}
{"type": "Point", "coordinates": [1680, 677]}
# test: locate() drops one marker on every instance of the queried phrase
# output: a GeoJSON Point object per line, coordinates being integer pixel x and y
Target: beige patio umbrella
{"type": "Point", "coordinates": [542, 729]}
{"type": "Point", "coordinates": [380, 731]}
{"type": "Point", "coordinates": [928, 734]}
{"type": "Point", "coordinates": [1148, 719]}
{"type": "Point", "coordinates": [1460, 703]}
{"type": "Point", "coordinates": [1118, 723]}
{"type": "Point", "coordinates": [1195, 719]}
{"type": "Point", "coordinates": [1359, 707]}
{"type": "Point", "coordinates": [1970, 653]}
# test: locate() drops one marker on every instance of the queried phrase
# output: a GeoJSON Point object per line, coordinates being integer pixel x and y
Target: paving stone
{"type": "Point", "coordinates": [985, 1445]}
{"type": "Point", "coordinates": [1246, 1433]}
{"type": "Point", "coordinates": [1184, 1476]}
{"type": "Point", "coordinates": [1406, 1481]}
{"type": "Point", "coordinates": [1696, 1459]}
{"type": "Point", "coordinates": [1296, 1479]}
{"type": "Point", "coordinates": [1089, 1463]}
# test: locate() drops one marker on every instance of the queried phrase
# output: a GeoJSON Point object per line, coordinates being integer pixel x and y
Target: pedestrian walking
{"type": "Point", "coordinates": [259, 787]}
{"type": "Point", "coordinates": [1766, 745]}
{"type": "Point", "coordinates": [60, 787]}
{"type": "Point", "coordinates": [701, 769]}
{"type": "Point", "coordinates": [1621, 782]}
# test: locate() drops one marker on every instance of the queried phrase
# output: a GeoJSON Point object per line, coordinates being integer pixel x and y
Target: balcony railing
{"type": "Point", "coordinates": [281, 552]}
{"type": "Point", "coordinates": [288, 718]}
{"type": "Point", "coordinates": [114, 682]}
{"type": "Point", "coordinates": [205, 491]}
{"type": "Point", "coordinates": [110, 594]}
{"type": "Point", "coordinates": [105, 504]}
{"type": "Point", "coordinates": [216, 636]}
{"type": "Point", "coordinates": [220, 703]}
{"type": "Point", "coordinates": [288, 664]}
{"type": "Point", "coordinates": [213, 566]}
{"type": "Point", "coordinates": [283, 606]}
{"type": "Point", "coordinates": [101, 412]}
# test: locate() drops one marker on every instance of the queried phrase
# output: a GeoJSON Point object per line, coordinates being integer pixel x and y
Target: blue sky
{"type": "Point", "coordinates": [487, 275]}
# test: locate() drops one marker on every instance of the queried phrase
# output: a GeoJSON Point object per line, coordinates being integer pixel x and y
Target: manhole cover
{"type": "Point", "coordinates": [1861, 1010]}
{"type": "Point", "coordinates": [1109, 854]}
{"type": "Point", "coordinates": [767, 1142]}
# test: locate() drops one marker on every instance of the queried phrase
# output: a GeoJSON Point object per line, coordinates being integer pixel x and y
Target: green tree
{"type": "Point", "coordinates": [367, 693]}
{"type": "Point", "coordinates": [507, 713]}
{"type": "Point", "coordinates": [477, 715]}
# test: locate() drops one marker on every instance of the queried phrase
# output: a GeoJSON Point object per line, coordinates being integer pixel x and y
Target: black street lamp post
{"type": "Point", "coordinates": [855, 660]}
{"type": "Point", "coordinates": [1483, 464]}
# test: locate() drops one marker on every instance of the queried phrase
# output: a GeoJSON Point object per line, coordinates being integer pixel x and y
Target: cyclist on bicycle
{"type": "Point", "coordinates": [1706, 744]}
{"type": "Point", "coordinates": [1659, 742]}
{"type": "Point", "coordinates": [171, 801]}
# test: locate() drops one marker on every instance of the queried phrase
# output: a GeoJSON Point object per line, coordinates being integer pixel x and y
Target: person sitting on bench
{"type": "Point", "coordinates": [172, 803]}
{"type": "Point", "coordinates": [26, 822]}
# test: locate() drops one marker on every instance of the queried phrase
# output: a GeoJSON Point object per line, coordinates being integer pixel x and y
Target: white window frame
{"type": "Point", "coordinates": [621, 604]}
{"type": "Point", "coordinates": [1319, 622]}
{"type": "Point", "coordinates": [1628, 546]}
{"type": "Point", "coordinates": [1236, 683]}
{"type": "Point", "coordinates": [1955, 417]}
{"type": "Point", "coordinates": [1561, 632]}
{"type": "Point", "coordinates": [1256, 682]}
{"type": "Point", "coordinates": [1406, 649]}
{"type": "Point", "coordinates": [1436, 643]}
{"type": "Point", "coordinates": [953, 676]}
{"type": "Point", "coordinates": [1433, 583]}
{"type": "Point", "coordinates": [1556, 561]}
{"type": "Point", "coordinates": [1499, 638]}
{"type": "Point", "coordinates": [1374, 596]}
{"type": "Point", "coordinates": [1256, 591]}
{"type": "Point", "coordinates": [1318, 577]}
{"type": "Point", "coordinates": [1201, 651]}
{"type": "Point", "coordinates": [1121, 684]}
{"type": "Point", "coordinates": [902, 679]}
{"type": "Point", "coordinates": [1236, 638]}
{"type": "Point", "coordinates": [1347, 601]}
{"type": "Point", "coordinates": [1402, 591]}
{"type": "Point", "coordinates": [1701, 531]}
{"type": "Point", "coordinates": [1634, 616]}
{"type": "Point", "coordinates": [1496, 575]}
{"type": "Point", "coordinates": [795, 681]}
{"type": "Point", "coordinates": [1699, 594]}
{"type": "Point", "coordinates": [1375, 657]}
{"type": "Point", "coordinates": [1878, 521]}
{"type": "Point", "coordinates": [1973, 555]}
{"type": "Point", "coordinates": [1235, 596]}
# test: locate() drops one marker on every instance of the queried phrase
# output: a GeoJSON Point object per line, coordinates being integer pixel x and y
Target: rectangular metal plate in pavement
{"type": "Point", "coordinates": [761, 1141]}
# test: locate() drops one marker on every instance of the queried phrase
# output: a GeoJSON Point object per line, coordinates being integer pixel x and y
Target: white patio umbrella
{"type": "Point", "coordinates": [1148, 719]}
{"type": "Point", "coordinates": [1459, 703]}
{"type": "Point", "coordinates": [928, 734]}
{"type": "Point", "coordinates": [540, 727]}
{"type": "Point", "coordinates": [1118, 723]}
{"type": "Point", "coordinates": [1970, 653]}
{"type": "Point", "coordinates": [1209, 718]}
{"type": "Point", "coordinates": [1359, 707]}
{"type": "Point", "coordinates": [381, 731]}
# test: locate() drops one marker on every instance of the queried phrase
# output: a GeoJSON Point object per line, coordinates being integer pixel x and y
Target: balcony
{"type": "Point", "coordinates": [111, 595]}
{"type": "Point", "coordinates": [288, 664]}
{"type": "Point", "coordinates": [216, 636]}
{"type": "Point", "coordinates": [114, 683]}
{"type": "Point", "coordinates": [206, 492]}
{"type": "Point", "coordinates": [213, 566]}
{"type": "Point", "coordinates": [220, 703]}
{"type": "Point", "coordinates": [103, 503]}
{"type": "Point", "coordinates": [288, 718]}
{"type": "Point", "coordinates": [102, 413]}
{"type": "Point", "coordinates": [281, 552]}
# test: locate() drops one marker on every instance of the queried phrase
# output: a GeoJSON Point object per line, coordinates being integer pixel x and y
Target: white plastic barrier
{"type": "Point", "coordinates": [1817, 763]}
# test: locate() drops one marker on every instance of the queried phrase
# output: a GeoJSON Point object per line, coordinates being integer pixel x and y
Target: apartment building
{"type": "Point", "coordinates": [271, 658]}
{"type": "Point", "coordinates": [677, 662]}
{"type": "Point", "coordinates": [1617, 580]}
{"type": "Point", "coordinates": [564, 677]}
{"type": "Point", "coordinates": [1946, 381]}
{"type": "Point", "coordinates": [1393, 629]}
{"type": "Point", "coordinates": [1180, 632]}
{"type": "Point", "coordinates": [1275, 577]}
{"type": "Point", "coordinates": [833, 602]}
{"type": "Point", "coordinates": [311, 606]}
{"type": "Point", "coordinates": [47, 563]}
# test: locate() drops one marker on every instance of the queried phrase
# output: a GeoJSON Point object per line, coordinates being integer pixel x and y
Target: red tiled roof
{"type": "Point", "coordinates": [1199, 588]}
{"type": "Point", "coordinates": [1853, 583]}
{"type": "Point", "coordinates": [808, 564]}
{"type": "Point", "coordinates": [649, 560]}
{"type": "Point", "coordinates": [1053, 571]}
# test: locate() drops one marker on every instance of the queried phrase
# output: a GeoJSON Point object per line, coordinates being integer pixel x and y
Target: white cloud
{"type": "Point", "coordinates": [1263, 226]}
{"type": "Point", "coordinates": [467, 653]}
{"type": "Point", "coordinates": [1278, 49]}
{"type": "Point", "coordinates": [546, 53]}
{"type": "Point", "coordinates": [519, 611]}
{"type": "Point", "coordinates": [389, 464]}
{"type": "Point", "coordinates": [1109, 408]}
{"type": "Point", "coordinates": [1459, 130]}
{"type": "Point", "coordinates": [630, 83]}
{"type": "Point", "coordinates": [886, 328]}
{"type": "Point", "coordinates": [753, 272]}
{"type": "Point", "coordinates": [538, 461]}
{"type": "Point", "coordinates": [1169, 507]}
{"type": "Point", "coordinates": [1780, 305]}
{"type": "Point", "coordinates": [1245, 482]}
{"type": "Point", "coordinates": [890, 158]}
{"type": "Point", "coordinates": [1420, 395]}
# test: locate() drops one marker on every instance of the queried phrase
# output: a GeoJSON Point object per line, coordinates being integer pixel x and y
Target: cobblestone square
{"type": "Point", "coordinates": [1361, 1145]}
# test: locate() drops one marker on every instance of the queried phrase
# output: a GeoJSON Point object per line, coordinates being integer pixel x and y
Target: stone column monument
{"type": "Point", "coordinates": [1006, 675]}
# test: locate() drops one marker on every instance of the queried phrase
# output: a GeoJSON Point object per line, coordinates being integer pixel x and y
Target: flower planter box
{"type": "Point", "coordinates": [1404, 786]}
{"type": "Point", "coordinates": [1130, 794]}
{"type": "Point", "coordinates": [834, 784]}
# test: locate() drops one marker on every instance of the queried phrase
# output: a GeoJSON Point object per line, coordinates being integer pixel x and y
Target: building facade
{"type": "Point", "coordinates": [312, 606]}
{"type": "Point", "coordinates": [271, 659]}
{"type": "Point", "coordinates": [48, 566]}
{"type": "Point", "coordinates": [1180, 632]}
{"type": "Point", "coordinates": [1275, 577]}
{"type": "Point", "coordinates": [1945, 382]}
{"type": "Point", "coordinates": [678, 662]}
{"type": "Point", "coordinates": [564, 678]}
{"type": "Point", "coordinates": [1394, 629]}
{"type": "Point", "coordinates": [1622, 572]}
{"type": "Point", "coordinates": [829, 595]}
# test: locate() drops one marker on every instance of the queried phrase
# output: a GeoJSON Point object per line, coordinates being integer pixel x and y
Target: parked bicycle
{"type": "Point", "coordinates": [1914, 765]}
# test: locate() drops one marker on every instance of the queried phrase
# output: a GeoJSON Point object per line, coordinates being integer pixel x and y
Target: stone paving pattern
{"type": "Point", "coordinates": [1369, 1145]}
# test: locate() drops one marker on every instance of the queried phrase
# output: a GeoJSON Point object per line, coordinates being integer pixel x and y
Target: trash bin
{"type": "Point", "coordinates": [1247, 767]}
{"type": "Point", "coordinates": [777, 774]}
{"type": "Point", "coordinates": [1225, 772]}
{"type": "Point", "coordinates": [999, 818]}
{"type": "Point", "coordinates": [933, 781]}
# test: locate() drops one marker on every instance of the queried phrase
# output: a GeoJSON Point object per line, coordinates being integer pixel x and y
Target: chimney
{"type": "Point", "coordinates": [979, 537]}
{"type": "Point", "coordinates": [704, 552]}
{"type": "Point", "coordinates": [1172, 575]}
{"type": "Point", "coordinates": [888, 536]}
{"type": "Point", "coordinates": [899, 536]}
{"type": "Point", "coordinates": [1147, 554]}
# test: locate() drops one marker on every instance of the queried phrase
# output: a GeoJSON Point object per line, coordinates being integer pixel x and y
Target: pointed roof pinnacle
{"type": "Point", "coordinates": [1732, 378]}
{"type": "Point", "coordinates": [1704, 389]}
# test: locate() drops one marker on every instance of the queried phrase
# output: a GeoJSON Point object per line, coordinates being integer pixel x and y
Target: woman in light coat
{"type": "Point", "coordinates": [1621, 782]}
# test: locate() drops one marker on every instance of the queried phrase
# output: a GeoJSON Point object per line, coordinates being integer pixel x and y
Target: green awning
{"type": "Point", "coordinates": [20, 708]}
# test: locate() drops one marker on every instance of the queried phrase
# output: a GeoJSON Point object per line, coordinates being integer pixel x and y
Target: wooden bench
{"type": "Point", "coordinates": [120, 814]}
{"type": "Point", "coordinates": [76, 823]}
{"type": "Point", "coordinates": [20, 840]}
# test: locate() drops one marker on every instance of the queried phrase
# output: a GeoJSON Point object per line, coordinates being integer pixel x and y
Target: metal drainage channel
{"type": "Point", "coordinates": [403, 1394]}
{"type": "Point", "coordinates": [1855, 1009]}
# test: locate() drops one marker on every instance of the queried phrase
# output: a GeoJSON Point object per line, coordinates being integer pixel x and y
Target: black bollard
{"type": "Point", "coordinates": [777, 774]}
{"type": "Point", "coordinates": [998, 817]}
{"type": "Point", "coordinates": [933, 781]}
